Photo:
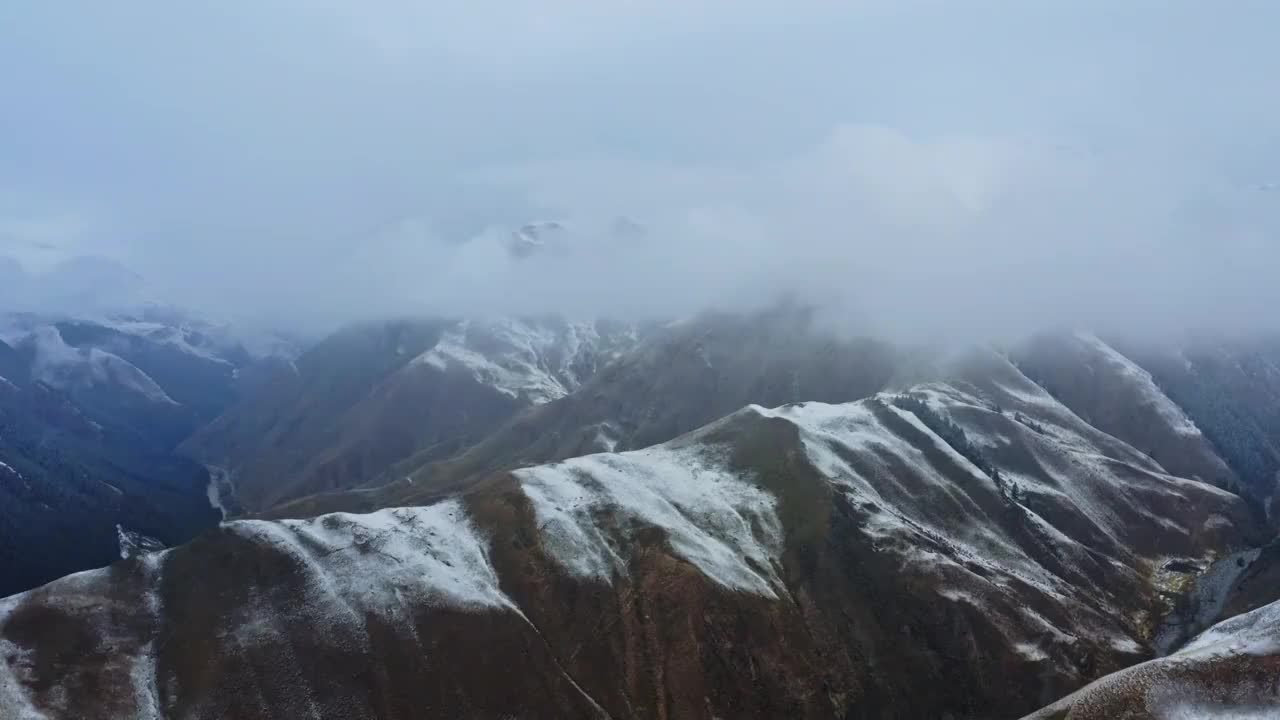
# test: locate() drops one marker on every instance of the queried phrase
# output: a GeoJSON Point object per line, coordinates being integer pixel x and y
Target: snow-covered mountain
{"type": "Point", "coordinates": [806, 560]}
{"type": "Point", "coordinates": [736, 515]}
{"type": "Point", "coordinates": [148, 369]}
{"type": "Point", "coordinates": [96, 330]}
{"type": "Point", "coordinates": [534, 360]}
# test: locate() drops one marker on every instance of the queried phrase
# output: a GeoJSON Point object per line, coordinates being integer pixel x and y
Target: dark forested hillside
{"type": "Point", "coordinates": [1230, 388]}
{"type": "Point", "coordinates": [90, 414]}
{"type": "Point", "coordinates": [66, 481]}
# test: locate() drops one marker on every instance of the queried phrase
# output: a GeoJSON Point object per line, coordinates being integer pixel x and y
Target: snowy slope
{"type": "Point", "coordinates": [717, 521]}
{"type": "Point", "coordinates": [536, 360]}
{"type": "Point", "coordinates": [850, 547]}
{"type": "Point", "coordinates": [675, 379]}
{"type": "Point", "coordinates": [1229, 671]}
{"type": "Point", "coordinates": [62, 366]}
{"type": "Point", "coordinates": [1230, 386]}
{"type": "Point", "coordinates": [807, 560]}
{"type": "Point", "coordinates": [340, 586]}
{"type": "Point", "coordinates": [349, 566]}
{"type": "Point", "coordinates": [380, 561]}
{"type": "Point", "coordinates": [1114, 394]}
{"type": "Point", "coordinates": [122, 646]}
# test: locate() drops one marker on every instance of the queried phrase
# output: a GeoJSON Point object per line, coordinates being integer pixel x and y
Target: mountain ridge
{"type": "Point", "coordinates": [881, 553]}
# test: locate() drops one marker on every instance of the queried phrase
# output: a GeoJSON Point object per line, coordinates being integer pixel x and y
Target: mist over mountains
{"type": "Point", "coordinates": [630, 361]}
{"type": "Point", "coordinates": [647, 511]}
{"type": "Point", "coordinates": [875, 158]}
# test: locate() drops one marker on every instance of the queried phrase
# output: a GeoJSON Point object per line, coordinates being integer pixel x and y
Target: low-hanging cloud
{"type": "Point", "coordinates": [899, 234]}
{"type": "Point", "coordinates": [918, 167]}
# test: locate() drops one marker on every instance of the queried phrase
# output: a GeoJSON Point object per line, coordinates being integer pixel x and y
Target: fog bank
{"type": "Point", "coordinates": [921, 168]}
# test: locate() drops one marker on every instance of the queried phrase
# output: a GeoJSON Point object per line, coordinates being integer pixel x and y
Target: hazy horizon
{"type": "Point", "coordinates": [924, 167]}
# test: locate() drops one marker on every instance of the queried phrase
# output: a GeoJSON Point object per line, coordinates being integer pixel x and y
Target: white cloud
{"type": "Point", "coordinates": [39, 243]}
{"type": "Point", "coordinates": [938, 164]}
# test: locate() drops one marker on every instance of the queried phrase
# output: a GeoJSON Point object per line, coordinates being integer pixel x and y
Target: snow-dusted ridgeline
{"type": "Point", "coordinates": [722, 524]}
{"type": "Point", "coordinates": [1149, 393]}
{"type": "Point", "coordinates": [380, 561]}
{"type": "Point", "coordinates": [353, 567]}
{"type": "Point", "coordinates": [524, 358]}
{"type": "Point", "coordinates": [1049, 573]}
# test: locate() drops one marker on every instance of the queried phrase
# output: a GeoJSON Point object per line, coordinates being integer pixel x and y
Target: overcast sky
{"type": "Point", "coordinates": [931, 164]}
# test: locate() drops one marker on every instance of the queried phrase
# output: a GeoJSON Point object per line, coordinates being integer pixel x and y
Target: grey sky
{"type": "Point", "coordinates": [326, 160]}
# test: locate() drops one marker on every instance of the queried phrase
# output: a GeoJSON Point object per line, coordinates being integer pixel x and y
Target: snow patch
{"type": "Point", "coordinates": [1188, 709]}
{"type": "Point", "coordinates": [217, 479]}
{"type": "Point", "coordinates": [1030, 651]}
{"type": "Point", "coordinates": [433, 554]}
{"type": "Point", "coordinates": [14, 664]}
{"type": "Point", "coordinates": [535, 360]}
{"type": "Point", "coordinates": [1125, 645]}
{"type": "Point", "coordinates": [723, 525]}
{"type": "Point", "coordinates": [1253, 633]}
{"type": "Point", "coordinates": [133, 543]}
{"type": "Point", "coordinates": [605, 441]}
{"type": "Point", "coordinates": [834, 434]}
{"type": "Point", "coordinates": [117, 622]}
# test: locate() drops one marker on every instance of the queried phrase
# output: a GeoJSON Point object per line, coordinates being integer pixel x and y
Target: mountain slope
{"type": "Point", "coordinates": [1230, 388]}
{"type": "Point", "coordinates": [677, 378]}
{"type": "Point", "coordinates": [1116, 396]}
{"type": "Point", "coordinates": [270, 435]}
{"type": "Point", "coordinates": [160, 373]}
{"type": "Point", "coordinates": [90, 412]}
{"type": "Point", "coordinates": [370, 396]}
{"type": "Point", "coordinates": [1229, 671]}
{"type": "Point", "coordinates": [808, 561]}
{"type": "Point", "coordinates": [67, 482]}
